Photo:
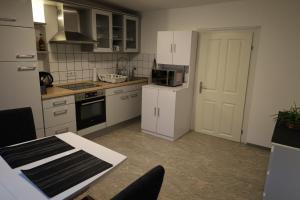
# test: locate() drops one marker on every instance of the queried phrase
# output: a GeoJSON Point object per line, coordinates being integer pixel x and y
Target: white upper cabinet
{"type": "Point", "coordinates": [16, 13]}
{"type": "Point", "coordinates": [102, 30]}
{"type": "Point", "coordinates": [164, 47]}
{"type": "Point", "coordinates": [131, 34]}
{"type": "Point", "coordinates": [174, 47]}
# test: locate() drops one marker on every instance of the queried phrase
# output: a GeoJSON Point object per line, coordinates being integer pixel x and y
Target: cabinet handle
{"type": "Point", "coordinates": [118, 91]}
{"type": "Point", "coordinates": [154, 111]}
{"type": "Point", "coordinates": [59, 103]}
{"type": "Point", "coordinates": [21, 69]}
{"type": "Point", "coordinates": [5, 19]}
{"type": "Point", "coordinates": [62, 131]}
{"type": "Point", "coordinates": [124, 97]}
{"type": "Point", "coordinates": [171, 48]}
{"type": "Point", "coordinates": [158, 109]}
{"type": "Point", "coordinates": [133, 95]}
{"type": "Point", "coordinates": [174, 48]}
{"type": "Point", "coordinates": [61, 112]}
{"type": "Point", "coordinates": [24, 56]}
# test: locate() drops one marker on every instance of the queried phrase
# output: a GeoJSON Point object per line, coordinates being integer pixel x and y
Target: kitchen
{"type": "Point", "coordinates": [101, 70]}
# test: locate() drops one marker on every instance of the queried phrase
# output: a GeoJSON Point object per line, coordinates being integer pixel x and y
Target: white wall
{"type": "Point", "coordinates": [276, 78]}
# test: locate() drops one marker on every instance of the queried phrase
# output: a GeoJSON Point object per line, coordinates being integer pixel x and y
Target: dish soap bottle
{"type": "Point", "coordinates": [42, 44]}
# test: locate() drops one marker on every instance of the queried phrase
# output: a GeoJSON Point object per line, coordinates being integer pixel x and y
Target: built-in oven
{"type": "Point", "coordinates": [90, 109]}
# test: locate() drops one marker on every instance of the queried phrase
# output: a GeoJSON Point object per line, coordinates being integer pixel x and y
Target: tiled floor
{"type": "Point", "coordinates": [198, 166]}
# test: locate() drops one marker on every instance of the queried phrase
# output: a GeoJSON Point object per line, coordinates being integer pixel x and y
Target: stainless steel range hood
{"type": "Point", "coordinates": [69, 27]}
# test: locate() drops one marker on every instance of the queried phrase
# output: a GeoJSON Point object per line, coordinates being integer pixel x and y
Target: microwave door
{"type": "Point", "coordinates": [160, 77]}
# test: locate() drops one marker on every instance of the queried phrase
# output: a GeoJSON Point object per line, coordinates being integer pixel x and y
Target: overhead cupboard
{"type": "Point", "coordinates": [113, 32]}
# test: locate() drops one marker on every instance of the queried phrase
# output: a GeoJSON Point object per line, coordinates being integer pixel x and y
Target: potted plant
{"type": "Point", "coordinates": [291, 117]}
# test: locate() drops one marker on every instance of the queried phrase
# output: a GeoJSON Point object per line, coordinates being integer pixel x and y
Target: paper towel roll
{"type": "Point", "coordinates": [94, 74]}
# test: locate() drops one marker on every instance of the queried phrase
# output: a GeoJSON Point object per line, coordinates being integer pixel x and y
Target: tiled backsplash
{"type": "Point", "coordinates": [67, 63]}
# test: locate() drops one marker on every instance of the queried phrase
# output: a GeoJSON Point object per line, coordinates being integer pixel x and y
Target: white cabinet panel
{"type": "Point", "coordinates": [68, 127]}
{"type": "Point", "coordinates": [149, 109]}
{"type": "Point", "coordinates": [19, 86]}
{"type": "Point", "coordinates": [16, 13]}
{"type": "Point", "coordinates": [182, 47]}
{"type": "Point", "coordinates": [59, 115]}
{"type": "Point", "coordinates": [166, 112]}
{"type": "Point", "coordinates": [135, 104]}
{"type": "Point", "coordinates": [18, 44]}
{"type": "Point", "coordinates": [116, 108]}
{"type": "Point", "coordinates": [60, 101]}
{"type": "Point", "coordinates": [165, 47]}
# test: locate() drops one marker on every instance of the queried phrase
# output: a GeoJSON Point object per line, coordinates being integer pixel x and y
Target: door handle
{"type": "Point", "coordinates": [171, 48]}
{"type": "Point", "coordinates": [88, 103]}
{"type": "Point", "coordinates": [62, 130]}
{"type": "Point", "coordinates": [124, 97]}
{"type": "Point", "coordinates": [201, 87]}
{"type": "Point", "coordinates": [154, 111]}
{"type": "Point", "coordinates": [26, 69]}
{"type": "Point", "coordinates": [61, 112]}
{"type": "Point", "coordinates": [158, 109]}
{"type": "Point", "coordinates": [134, 95]}
{"type": "Point", "coordinates": [174, 48]}
{"type": "Point", "coordinates": [5, 19]}
{"type": "Point", "coordinates": [24, 56]}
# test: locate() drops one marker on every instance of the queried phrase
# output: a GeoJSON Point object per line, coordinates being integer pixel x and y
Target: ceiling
{"type": "Point", "coordinates": [149, 5]}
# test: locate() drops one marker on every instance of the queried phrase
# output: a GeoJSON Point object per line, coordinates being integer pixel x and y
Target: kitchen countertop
{"type": "Point", "coordinates": [57, 91]}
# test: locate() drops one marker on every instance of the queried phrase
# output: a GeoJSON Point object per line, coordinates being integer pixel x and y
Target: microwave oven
{"type": "Point", "coordinates": [167, 77]}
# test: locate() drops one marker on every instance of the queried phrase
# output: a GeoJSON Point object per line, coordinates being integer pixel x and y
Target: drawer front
{"type": "Point", "coordinates": [57, 102]}
{"type": "Point", "coordinates": [59, 115]}
{"type": "Point", "coordinates": [16, 13]}
{"type": "Point", "coordinates": [19, 44]}
{"type": "Point", "coordinates": [68, 127]}
{"type": "Point", "coordinates": [124, 89]}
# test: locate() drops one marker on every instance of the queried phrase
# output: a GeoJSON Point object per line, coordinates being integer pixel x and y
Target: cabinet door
{"type": "Point", "coordinates": [117, 108]}
{"type": "Point", "coordinates": [18, 44]}
{"type": "Point", "coordinates": [182, 47]}
{"type": "Point", "coordinates": [164, 47]}
{"type": "Point", "coordinates": [135, 103]}
{"type": "Point", "coordinates": [102, 30]}
{"type": "Point", "coordinates": [149, 109]}
{"type": "Point", "coordinates": [166, 112]}
{"type": "Point", "coordinates": [16, 13]}
{"type": "Point", "coordinates": [20, 87]}
{"type": "Point", "coordinates": [131, 36]}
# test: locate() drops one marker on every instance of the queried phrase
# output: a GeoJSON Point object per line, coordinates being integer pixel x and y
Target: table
{"type": "Point", "coordinates": [15, 186]}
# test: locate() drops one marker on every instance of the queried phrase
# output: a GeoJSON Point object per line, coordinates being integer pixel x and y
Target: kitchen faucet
{"type": "Point", "coordinates": [125, 69]}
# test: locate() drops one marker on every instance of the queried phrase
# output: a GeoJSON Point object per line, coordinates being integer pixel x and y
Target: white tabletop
{"type": "Point", "coordinates": [15, 186]}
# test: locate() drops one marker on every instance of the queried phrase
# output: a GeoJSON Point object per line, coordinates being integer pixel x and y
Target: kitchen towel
{"type": "Point", "coordinates": [63, 173]}
{"type": "Point", "coordinates": [29, 152]}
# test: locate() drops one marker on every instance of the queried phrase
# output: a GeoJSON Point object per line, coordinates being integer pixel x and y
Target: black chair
{"type": "Point", "coordinates": [16, 125]}
{"type": "Point", "coordinates": [146, 187]}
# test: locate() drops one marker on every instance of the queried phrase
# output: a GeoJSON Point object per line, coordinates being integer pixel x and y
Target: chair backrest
{"type": "Point", "coordinates": [146, 187]}
{"type": "Point", "coordinates": [16, 125]}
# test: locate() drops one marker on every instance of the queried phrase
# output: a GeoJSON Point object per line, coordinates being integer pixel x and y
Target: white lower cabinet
{"type": "Point", "coordinates": [164, 112]}
{"type": "Point", "coordinates": [122, 103]}
{"type": "Point", "coordinates": [59, 115]}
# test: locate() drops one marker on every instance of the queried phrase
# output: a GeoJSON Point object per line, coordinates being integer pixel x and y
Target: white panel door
{"type": "Point", "coordinates": [182, 47]}
{"type": "Point", "coordinates": [165, 47]}
{"type": "Point", "coordinates": [223, 71]}
{"type": "Point", "coordinates": [18, 44]}
{"type": "Point", "coordinates": [117, 108]}
{"type": "Point", "coordinates": [149, 109]}
{"type": "Point", "coordinates": [135, 103]}
{"type": "Point", "coordinates": [16, 13]}
{"type": "Point", "coordinates": [166, 112]}
{"type": "Point", "coordinates": [20, 87]}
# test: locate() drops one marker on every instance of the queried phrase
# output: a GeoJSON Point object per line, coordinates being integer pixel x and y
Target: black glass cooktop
{"type": "Point", "coordinates": [78, 86]}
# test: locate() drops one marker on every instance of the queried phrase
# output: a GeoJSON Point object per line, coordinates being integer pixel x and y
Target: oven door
{"type": "Point", "coordinates": [90, 112]}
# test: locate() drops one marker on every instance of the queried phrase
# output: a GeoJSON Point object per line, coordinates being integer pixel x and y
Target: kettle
{"type": "Point", "coordinates": [46, 79]}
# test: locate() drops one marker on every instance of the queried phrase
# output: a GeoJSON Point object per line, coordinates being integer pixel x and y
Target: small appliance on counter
{"type": "Point", "coordinates": [168, 77]}
{"type": "Point", "coordinates": [46, 80]}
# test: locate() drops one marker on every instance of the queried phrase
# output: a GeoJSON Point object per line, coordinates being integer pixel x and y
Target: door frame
{"type": "Point", "coordinates": [251, 74]}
